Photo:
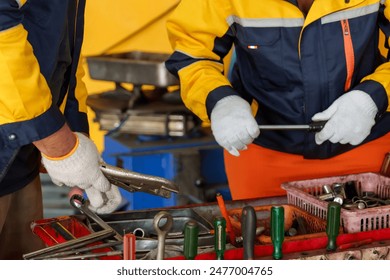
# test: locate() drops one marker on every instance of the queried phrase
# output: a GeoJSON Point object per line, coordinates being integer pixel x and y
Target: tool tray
{"type": "Point", "coordinates": [304, 195]}
{"type": "Point", "coordinates": [45, 229]}
{"type": "Point", "coordinates": [306, 224]}
{"type": "Point", "coordinates": [58, 230]}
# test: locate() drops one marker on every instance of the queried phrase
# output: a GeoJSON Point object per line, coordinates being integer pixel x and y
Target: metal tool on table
{"type": "Point", "coordinates": [71, 244]}
{"type": "Point", "coordinates": [190, 246]}
{"type": "Point", "coordinates": [136, 182]}
{"type": "Point", "coordinates": [377, 199]}
{"type": "Point", "coordinates": [333, 224]}
{"type": "Point", "coordinates": [140, 223]}
{"type": "Point", "coordinates": [220, 237]}
{"type": "Point", "coordinates": [84, 252]}
{"type": "Point", "coordinates": [82, 204]}
{"type": "Point", "coordinates": [248, 228]}
{"type": "Point", "coordinates": [162, 223]}
{"type": "Point", "coordinates": [277, 230]}
{"type": "Point", "coordinates": [312, 127]}
{"type": "Point", "coordinates": [89, 256]}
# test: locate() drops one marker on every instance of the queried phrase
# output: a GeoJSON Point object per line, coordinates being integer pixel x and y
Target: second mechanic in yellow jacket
{"type": "Point", "coordinates": [43, 112]}
{"type": "Point", "coordinates": [295, 63]}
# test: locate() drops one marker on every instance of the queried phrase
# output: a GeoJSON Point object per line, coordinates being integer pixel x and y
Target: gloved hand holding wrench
{"type": "Point", "coordinates": [347, 121]}
{"type": "Point", "coordinates": [78, 202]}
{"type": "Point", "coordinates": [234, 126]}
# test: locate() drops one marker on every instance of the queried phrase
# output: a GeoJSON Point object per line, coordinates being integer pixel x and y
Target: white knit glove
{"type": "Point", "coordinates": [349, 119]}
{"type": "Point", "coordinates": [233, 124]}
{"type": "Point", "coordinates": [82, 169]}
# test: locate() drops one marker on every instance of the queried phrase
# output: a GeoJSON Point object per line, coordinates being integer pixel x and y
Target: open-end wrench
{"type": "Point", "coordinates": [162, 223]}
{"type": "Point", "coordinates": [82, 204]}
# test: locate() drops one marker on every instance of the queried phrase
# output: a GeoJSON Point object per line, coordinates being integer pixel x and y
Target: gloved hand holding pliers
{"type": "Point", "coordinates": [81, 167]}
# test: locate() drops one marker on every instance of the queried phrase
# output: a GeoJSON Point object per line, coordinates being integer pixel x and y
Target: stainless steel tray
{"type": "Point", "coordinates": [136, 67]}
{"type": "Point", "coordinates": [128, 221]}
{"type": "Point", "coordinates": [138, 222]}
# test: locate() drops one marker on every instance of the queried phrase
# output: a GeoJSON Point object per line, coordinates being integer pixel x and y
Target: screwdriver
{"type": "Point", "coordinates": [333, 224]}
{"type": "Point", "coordinates": [277, 230]}
{"type": "Point", "coordinates": [312, 127]}
{"type": "Point", "coordinates": [220, 237]}
{"type": "Point", "coordinates": [190, 247]}
{"type": "Point", "coordinates": [129, 248]}
{"type": "Point", "coordinates": [225, 214]}
{"type": "Point", "coordinates": [248, 228]}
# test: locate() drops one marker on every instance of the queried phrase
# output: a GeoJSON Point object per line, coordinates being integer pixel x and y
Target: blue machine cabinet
{"type": "Point", "coordinates": [181, 160]}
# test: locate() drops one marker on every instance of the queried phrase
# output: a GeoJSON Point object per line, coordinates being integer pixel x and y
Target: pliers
{"type": "Point", "coordinates": [136, 182]}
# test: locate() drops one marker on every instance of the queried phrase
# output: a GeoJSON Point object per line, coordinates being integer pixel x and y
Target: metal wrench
{"type": "Point", "coordinates": [377, 199]}
{"type": "Point", "coordinates": [82, 204]}
{"type": "Point", "coordinates": [162, 230]}
{"type": "Point", "coordinates": [312, 127]}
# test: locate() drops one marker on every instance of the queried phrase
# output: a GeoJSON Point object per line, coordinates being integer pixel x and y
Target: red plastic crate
{"type": "Point", "coordinates": [47, 231]}
{"type": "Point", "coordinates": [304, 195]}
{"type": "Point", "coordinates": [299, 246]}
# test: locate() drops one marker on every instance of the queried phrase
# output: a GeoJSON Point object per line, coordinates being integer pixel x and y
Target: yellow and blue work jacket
{"type": "Point", "coordinates": [40, 81]}
{"type": "Point", "coordinates": [288, 66]}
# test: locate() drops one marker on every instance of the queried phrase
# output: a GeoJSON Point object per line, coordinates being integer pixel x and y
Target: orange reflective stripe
{"type": "Point", "coordinates": [349, 54]}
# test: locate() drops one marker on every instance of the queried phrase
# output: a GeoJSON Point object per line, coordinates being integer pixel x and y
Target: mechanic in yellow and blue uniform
{"type": "Point", "coordinates": [43, 114]}
{"type": "Point", "coordinates": [295, 62]}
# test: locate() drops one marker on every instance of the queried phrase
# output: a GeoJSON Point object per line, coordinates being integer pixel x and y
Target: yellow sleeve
{"type": "Point", "coordinates": [196, 30]}
{"type": "Point", "coordinates": [382, 73]}
{"type": "Point", "coordinates": [81, 89]}
{"type": "Point", "coordinates": [24, 91]}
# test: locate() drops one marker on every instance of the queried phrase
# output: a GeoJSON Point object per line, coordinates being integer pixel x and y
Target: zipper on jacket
{"type": "Point", "coordinates": [349, 53]}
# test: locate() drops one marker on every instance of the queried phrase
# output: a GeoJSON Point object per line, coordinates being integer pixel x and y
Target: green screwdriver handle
{"type": "Point", "coordinates": [277, 230]}
{"type": "Point", "coordinates": [191, 233]}
{"type": "Point", "coordinates": [220, 237]}
{"type": "Point", "coordinates": [333, 224]}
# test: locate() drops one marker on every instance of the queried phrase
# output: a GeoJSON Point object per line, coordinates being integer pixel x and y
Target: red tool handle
{"type": "Point", "coordinates": [129, 246]}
